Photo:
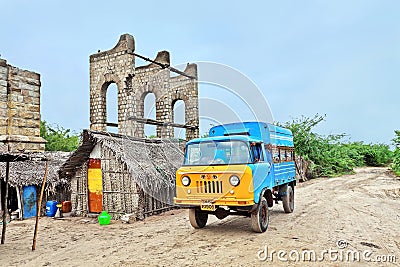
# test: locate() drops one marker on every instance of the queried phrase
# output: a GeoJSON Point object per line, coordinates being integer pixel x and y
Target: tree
{"type": "Point", "coordinates": [58, 138]}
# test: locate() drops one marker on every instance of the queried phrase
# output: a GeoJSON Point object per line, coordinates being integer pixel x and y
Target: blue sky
{"type": "Point", "coordinates": [339, 58]}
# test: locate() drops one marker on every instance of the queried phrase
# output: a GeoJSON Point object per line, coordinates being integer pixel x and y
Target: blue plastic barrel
{"type": "Point", "coordinates": [51, 208]}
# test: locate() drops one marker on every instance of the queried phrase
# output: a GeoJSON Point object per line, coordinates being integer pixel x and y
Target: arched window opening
{"type": "Point", "coordinates": [150, 131]}
{"type": "Point", "coordinates": [112, 108]}
{"type": "Point", "coordinates": [179, 118]}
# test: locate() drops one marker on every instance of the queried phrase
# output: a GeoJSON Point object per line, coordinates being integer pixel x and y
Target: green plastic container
{"type": "Point", "coordinates": [104, 218]}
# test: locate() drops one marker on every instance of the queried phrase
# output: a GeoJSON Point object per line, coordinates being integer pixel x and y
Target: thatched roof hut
{"type": "Point", "coordinates": [137, 175]}
{"type": "Point", "coordinates": [26, 172]}
{"type": "Point", "coordinates": [31, 171]}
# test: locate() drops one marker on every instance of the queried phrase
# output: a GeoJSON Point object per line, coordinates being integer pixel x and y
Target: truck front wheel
{"type": "Point", "coordinates": [198, 219]}
{"type": "Point", "coordinates": [260, 217]}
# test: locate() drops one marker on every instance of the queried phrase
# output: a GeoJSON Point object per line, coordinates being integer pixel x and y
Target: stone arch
{"type": "Point", "coordinates": [108, 79]}
{"type": "Point", "coordinates": [111, 104]}
{"type": "Point", "coordinates": [147, 88]}
{"type": "Point", "coordinates": [184, 99]}
{"type": "Point", "coordinates": [147, 109]}
{"type": "Point", "coordinates": [140, 103]}
{"type": "Point", "coordinates": [100, 121]}
{"type": "Point", "coordinates": [112, 66]}
{"type": "Point", "coordinates": [138, 100]}
{"type": "Point", "coordinates": [178, 132]}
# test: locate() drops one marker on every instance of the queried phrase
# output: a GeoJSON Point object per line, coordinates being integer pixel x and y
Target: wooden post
{"type": "Point", "coordinates": [4, 203]}
{"type": "Point", "coordinates": [39, 206]}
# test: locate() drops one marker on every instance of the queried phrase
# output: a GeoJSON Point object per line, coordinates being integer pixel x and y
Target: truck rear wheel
{"type": "Point", "coordinates": [260, 217]}
{"type": "Point", "coordinates": [288, 198]}
{"type": "Point", "coordinates": [198, 219]}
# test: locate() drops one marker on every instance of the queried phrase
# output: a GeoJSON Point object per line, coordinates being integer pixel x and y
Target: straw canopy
{"type": "Point", "coordinates": [29, 168]}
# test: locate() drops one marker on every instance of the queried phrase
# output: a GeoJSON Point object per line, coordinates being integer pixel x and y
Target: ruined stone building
{"type": "Point", "coordinates": [117, 65]}
{"type": "Point", "coordinates": [125, 173]}
{"type": "Point", "coordinates": [20, 109]}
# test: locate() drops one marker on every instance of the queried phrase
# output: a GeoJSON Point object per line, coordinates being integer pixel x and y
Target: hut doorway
{"type": "Point", "coordinates": [30, 201]}
{"type": "Point", "coordinates": [12, 200]}
{"type": "Point", "coordinates": [95, 186]}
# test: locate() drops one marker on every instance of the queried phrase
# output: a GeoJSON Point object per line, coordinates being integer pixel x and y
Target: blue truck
{"type": "Point", "coordinates": [239, 169]}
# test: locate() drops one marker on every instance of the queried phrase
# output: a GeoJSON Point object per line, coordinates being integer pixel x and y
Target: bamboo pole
{"type": "Point", "coordinates": [39, 206]}
{"type": "Point", "coordinates": [4, 203]}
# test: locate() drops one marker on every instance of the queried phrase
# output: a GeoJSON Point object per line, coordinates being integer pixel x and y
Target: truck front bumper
{"type": "Point", "coordinates": [218, 202]}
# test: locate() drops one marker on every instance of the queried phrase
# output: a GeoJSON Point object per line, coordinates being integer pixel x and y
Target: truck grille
{"type": "Point", "coordinates": [209, 187]}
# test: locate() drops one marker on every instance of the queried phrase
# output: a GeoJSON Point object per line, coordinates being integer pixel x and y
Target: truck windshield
{"type": "Point", "coordinates": [217, 153]}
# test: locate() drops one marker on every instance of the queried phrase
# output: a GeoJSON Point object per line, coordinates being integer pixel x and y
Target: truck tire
{"type": "Point", "coordinates": [260, 217]}
{"type": "Point", "coordinates": [288, 198]}
{"type": "Point", "coordinates": [198, 219]}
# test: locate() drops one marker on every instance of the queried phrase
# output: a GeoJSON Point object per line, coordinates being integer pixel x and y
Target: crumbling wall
{"type": "Point", "coordinates": [151, 79]}
{"type": "Point", "coordinates": [134, 83]}
{"type": "Point", "coordinates": [20, 109]}
{"type": "Point", "coordinates": [113, 66]}
{"type": "Point", "coordinates": [183, 88]}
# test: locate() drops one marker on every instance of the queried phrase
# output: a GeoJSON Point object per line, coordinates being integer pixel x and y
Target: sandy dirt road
{"type": "Point", "coordinates": [362, 210]}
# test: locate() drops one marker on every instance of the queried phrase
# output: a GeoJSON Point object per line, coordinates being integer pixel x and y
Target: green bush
{"type": "Point", "coordinates": [354, 151]}
{"type": "Point", "coordinates": [331, 156]}
{"type": "Point", "coordinates": [377, 155]}
{"type": "Point", "coordinates": [58, 138]}
{"type": "Point", "coordinates": [327, 154]}
{"type": "Point", "coordinates": [370, 155]}
{"type": "Point", "coordinates": [334, 160]}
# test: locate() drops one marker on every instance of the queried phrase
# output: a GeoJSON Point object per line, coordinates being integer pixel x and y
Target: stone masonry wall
{"type": "Point", "coordinates": [183, 88]}
{"type": "Point", "coordinates": [134, 83]}
{"type": "Point", "coordinates": [112, 66]}
{"type": "Point", "coordinates": [20, 109]}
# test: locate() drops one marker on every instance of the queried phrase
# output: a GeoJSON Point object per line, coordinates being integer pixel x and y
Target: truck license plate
{"type": "Point", "coordinates": [207, 206]}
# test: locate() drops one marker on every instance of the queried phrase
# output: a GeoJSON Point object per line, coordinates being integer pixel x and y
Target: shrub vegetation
{"type": "Point", "coordinates": [330, 155]}
{"type": "Point", "coordinates": [58, 138]}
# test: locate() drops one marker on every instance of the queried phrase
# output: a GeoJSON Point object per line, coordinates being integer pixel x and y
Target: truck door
{"type": "Point", "coordinates": [261, 168]}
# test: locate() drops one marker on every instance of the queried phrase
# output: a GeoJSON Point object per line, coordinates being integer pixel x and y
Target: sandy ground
{"type": "Point", "coordinates": [362, 210]}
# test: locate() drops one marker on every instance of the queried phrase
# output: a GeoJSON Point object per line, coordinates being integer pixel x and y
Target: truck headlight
{"type": "Point", "coordinates": [185, 180]}
{"type": "Point", "coordinates": [234, 180]}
